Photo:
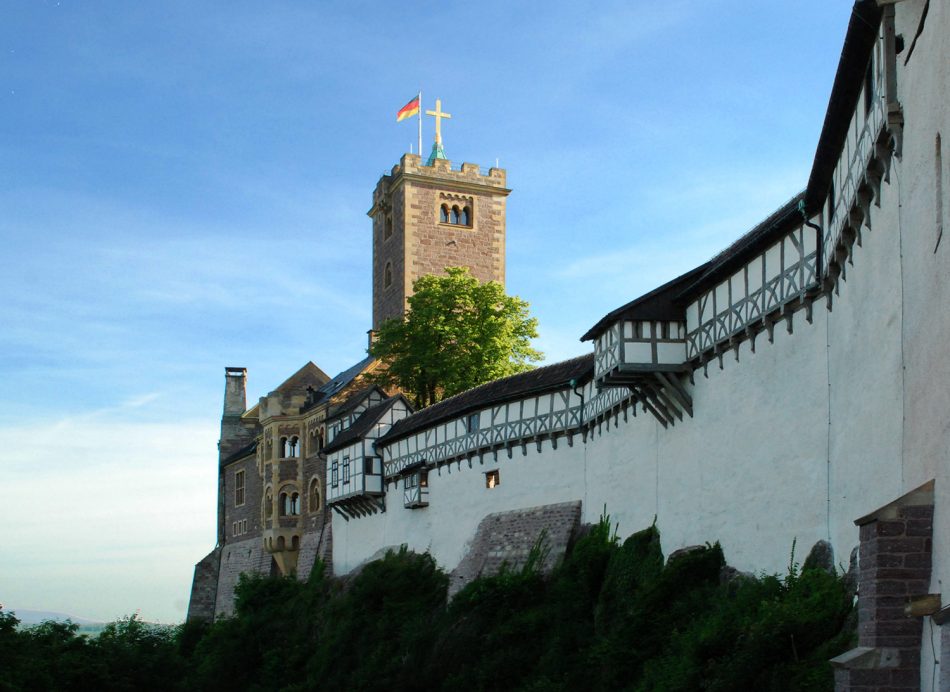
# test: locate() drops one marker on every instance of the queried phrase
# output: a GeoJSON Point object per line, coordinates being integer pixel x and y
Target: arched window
{"type": "Point", "coordinates": [466, 217]}
{"type": "Point", "coordinates": [455, 215]}
{"type": "Point", "coordinates": [283, 448]}
{"type": "Point", "coordinates": [293, 446]}
{"type": "Point", "coordinates": [444, 214]}
{"type": "Point", "coordinates": [294, 504]}
{"type": "Point", "coordinates": [284, 506]}
{"type": "Point", "coordinates": [313, 495]}
{"type": "Point", "coordinates": [388, 275]}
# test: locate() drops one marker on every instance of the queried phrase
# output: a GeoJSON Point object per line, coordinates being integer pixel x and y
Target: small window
{"type": "Point", "coordinates": [293, 446]}
{"type": "Point", "coordinates": [346, 469]}
{"type": "Point", "coordinates": [268, 509]}
{"type": "Point", "coordinates": [284, 504]}
{"type": "Point", "coordinates": [466, 216]}
{"type": "Point", "coordinates": [335, 474]}
{"type": "Point", "coordinates": [492, 479]}
{"type": "Point", "coordinates": [456, 216]}
{"type": "Point", "coordinates": [294, 504]}
{"type": "Point", "coordinates": [423, 479]}
{"type": "Point", "coordinates": [388, 228]}
{"type": "Point", "coordinates": [471, 423]}
{"type": "Point", "coordinates": [411, 481]}
{"type": "Point", "coordinates": [238, 488]}
{"type": "Point", "coordinates": [388, 275]}
{"type": "Point", "coordinates": [313, 495]}
{"type": "Point", "coordinates": [368, 466]}
{"type": "Point", "coordinates": [444, 213]}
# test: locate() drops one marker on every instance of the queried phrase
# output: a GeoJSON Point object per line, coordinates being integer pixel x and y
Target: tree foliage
{"type": "Point", "coordinates": [456, 334]}
{"type": "Point", "coordinates": [611, 616]}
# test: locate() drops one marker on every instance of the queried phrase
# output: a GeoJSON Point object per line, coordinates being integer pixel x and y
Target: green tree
{"type": "Point", "coordinates": [457, 333]}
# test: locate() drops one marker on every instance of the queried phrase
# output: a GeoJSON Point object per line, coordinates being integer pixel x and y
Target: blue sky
{"type": "Point", "coordinates": [184, 187]}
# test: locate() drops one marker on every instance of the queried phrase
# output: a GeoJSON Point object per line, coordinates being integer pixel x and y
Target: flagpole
{"type": "Point", "coordinates": [420, 124]}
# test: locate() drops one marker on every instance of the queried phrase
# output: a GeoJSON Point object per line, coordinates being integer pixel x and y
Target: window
{"type": "Point", "coordinates": [411, 481]}
{"type": "Point", "coordinates": [444, 213]}
{"type": "Point", "coordinates": [388, 228]}
{"type": "Point", "coordinates": [471, 423]}
{"type": "Point", "coordinates": [294, 504]}
{"type": "Point", "coordinates": [492, 479]}
{"type": "Point", "coordinates": [466, 217]}
{"type": "Point", "coordinates": [368, 466]}
{"type": "Point", "coordinates": [284, 448]}
{"type": "Point", "coordinates": [293, 447]}
{"type": "Point", "coordinates": [388, 275]}
{"type": "Point", "coordinates": [456, 217]}
{"type": "Point", "coordinates": [346, 469]}
{"type": "Point", "coordinates": [335, 474]}
{"type": "Point", "coordinates": [289, 504]}
{"type": "Point", "coordinates": [238, 488]}
{"type": "Point", "coordinates": [313, 495]}
{"type": "Point", "coordinates": [284, 504]}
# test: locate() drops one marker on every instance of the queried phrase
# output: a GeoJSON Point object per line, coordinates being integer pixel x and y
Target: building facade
{"type": "Point", "coordinates": [795, 388]}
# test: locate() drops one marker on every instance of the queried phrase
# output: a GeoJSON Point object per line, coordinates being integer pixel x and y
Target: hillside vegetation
{"type": "Point", "coordinates": [612, 616]}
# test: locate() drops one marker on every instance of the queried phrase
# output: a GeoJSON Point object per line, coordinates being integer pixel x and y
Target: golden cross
{"type": "Point", "coordinates": [438, 114]}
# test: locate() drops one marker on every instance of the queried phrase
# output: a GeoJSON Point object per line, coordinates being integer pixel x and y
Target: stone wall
{"type": "Point", "coordinates": [204, 587]}
{"type": "Point", "coordinates": [506, 538]}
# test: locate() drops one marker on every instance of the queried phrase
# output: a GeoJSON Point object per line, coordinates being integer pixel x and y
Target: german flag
{"type": "Point", "coordinates": [409, 110]}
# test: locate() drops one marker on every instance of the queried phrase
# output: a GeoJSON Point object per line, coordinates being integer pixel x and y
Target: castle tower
{"type": "Point", "coordinates": [431, 215]}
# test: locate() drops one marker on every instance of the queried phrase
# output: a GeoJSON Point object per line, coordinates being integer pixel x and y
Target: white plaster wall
{"type": "Point", "coordinates": [459, 500]}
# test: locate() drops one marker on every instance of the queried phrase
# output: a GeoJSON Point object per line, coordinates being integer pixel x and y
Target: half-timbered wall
{"type": "Point", "coordinates": [641, 344]}
{"type": "Point", "coordinates": [783, 275]}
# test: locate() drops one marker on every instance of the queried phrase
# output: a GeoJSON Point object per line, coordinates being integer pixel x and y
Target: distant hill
{"type": "Point", "coordinates": [28, 618]}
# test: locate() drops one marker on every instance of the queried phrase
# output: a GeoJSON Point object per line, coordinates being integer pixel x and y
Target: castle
{"type": "Point", "coordinates": [796, 387]}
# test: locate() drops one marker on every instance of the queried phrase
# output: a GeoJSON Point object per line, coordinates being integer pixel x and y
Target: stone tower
{"type": "Point", "coordinates": [428, 216]}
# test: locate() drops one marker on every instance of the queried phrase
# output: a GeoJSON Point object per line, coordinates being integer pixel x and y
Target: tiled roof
{"type": "Point", "coordinates": [362, 425]}
{"type": "Point", "coordinates": [546, 378]}
{"type": "Point", "coordinates": [354, 400]}
{"type": "Point", "coordinates": [752, 243]}
{"type": "Point", "coordinates": [849, 79]}
{"type": "Point", "coordinates": [658, 304]}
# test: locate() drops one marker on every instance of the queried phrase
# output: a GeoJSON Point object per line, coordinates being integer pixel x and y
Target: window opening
{"type": "Point", "coordinates": [314, 495]}
{"type": "Point", "coordinates": [466, 217]}
{"type": "Point", "coordinates": [346, 469]}
{"type": "Point", "coordinates": [471, 423]}
{"type": "Point", "coordinates": [334, 474]}
{"type": "Point", "coordinates": [388, 275]}
{"type": "Point", "coordinates": [444, 213]}
{"type": "Point", "coordinates": [238, 488]}
{"type": "Point", "coordinates": [492, 479]}
{"type": "Point", "coordinates": [455, 215]}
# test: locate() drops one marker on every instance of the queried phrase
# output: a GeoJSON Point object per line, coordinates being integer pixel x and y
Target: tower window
{"type": "Point", "coordinates": [293, 446]}
{"type": "Point", "coordinates": [492, 479]}
{"type": "Point", "coordinates": [388, 275]}
{"type": "Point", "coordinates": [466, 216]}
{"type": "Point", "coordinates": [456, 216]}
{"type": "Point", "coordinates": [388, 228]}
{"type": "Point", "coordinates": [444, 214]}
{"type": "Point", "coordinates": [238, 488]}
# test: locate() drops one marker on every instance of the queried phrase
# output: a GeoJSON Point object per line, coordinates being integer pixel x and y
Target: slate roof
{"type": "Point", "coordinates": [363, 424]}
{"type": "Point", "coordinates": [335, 384]}
{"type": "Point", "coordinates": [535, 381]}
{"type": "Point", "coordinates": [354, 400]}
{"type": "Point", "coordinates": [240, 454]}
{"type": "Point", "coordinates": [658, 304]}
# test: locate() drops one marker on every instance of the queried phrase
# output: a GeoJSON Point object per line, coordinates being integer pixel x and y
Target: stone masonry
{"type": "Point", "coordinates": [409, 237]}
{"type": "Point", "coordinates": [508, 537]}
{"type": "Point", "coordinates": [895, 565]}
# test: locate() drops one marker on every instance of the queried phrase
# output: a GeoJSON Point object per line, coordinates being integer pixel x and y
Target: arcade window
{"type": "Point", "coordinates": [455, 216]}
{"type": "Point", "coordinates": [238, 488]}
{"type": "Point", "coordinates": [492, 479]}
